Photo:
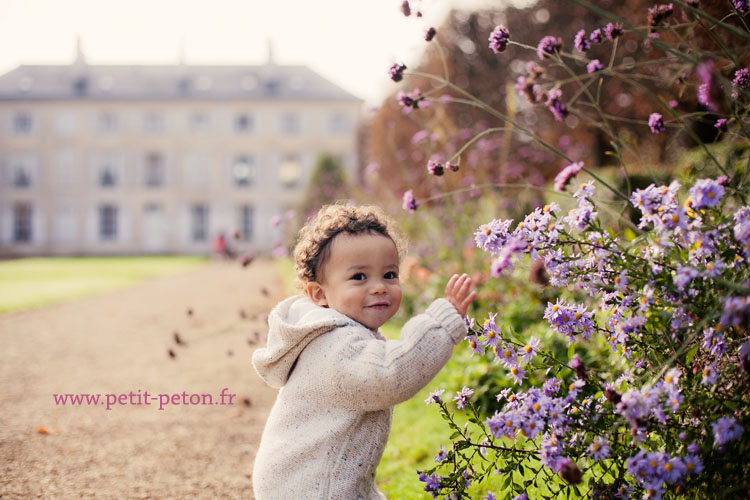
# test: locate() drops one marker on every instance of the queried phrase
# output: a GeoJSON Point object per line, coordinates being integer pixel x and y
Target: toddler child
{"type": "Point", "coordinates": [339, 377]}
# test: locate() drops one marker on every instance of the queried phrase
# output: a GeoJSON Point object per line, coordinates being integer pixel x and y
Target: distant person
{"type": "Point", "coordinates": [339, 377]}
{"type": "Point", "coordinates": [221, 247]}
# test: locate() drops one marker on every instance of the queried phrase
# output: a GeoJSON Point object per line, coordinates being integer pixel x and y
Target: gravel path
{"type": "Point", "coordinates": [118, 343]}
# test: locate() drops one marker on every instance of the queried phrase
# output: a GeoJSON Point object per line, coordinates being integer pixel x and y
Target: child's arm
{"type": "Point", "coordinates": [372, 375]}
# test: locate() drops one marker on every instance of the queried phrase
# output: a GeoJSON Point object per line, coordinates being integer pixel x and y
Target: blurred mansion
{"type": "Point", "coordinates": [99, 159]}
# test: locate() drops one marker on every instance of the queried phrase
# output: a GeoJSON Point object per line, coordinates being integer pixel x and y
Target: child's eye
{"type": "Point", "coordinates": [359, 276]}
{"type": "Point", "coordinates": [391, 275]}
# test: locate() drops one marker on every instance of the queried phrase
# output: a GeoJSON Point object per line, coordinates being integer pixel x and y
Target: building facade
{"type": "Point", "coordinates": [161, 159]}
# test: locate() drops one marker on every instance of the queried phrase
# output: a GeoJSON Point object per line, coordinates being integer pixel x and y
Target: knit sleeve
{"type": "Point", "coordinates": [371, 374]}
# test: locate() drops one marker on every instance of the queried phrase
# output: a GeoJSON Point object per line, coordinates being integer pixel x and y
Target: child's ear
{"type": "Point", "coordinates": [316, 293]}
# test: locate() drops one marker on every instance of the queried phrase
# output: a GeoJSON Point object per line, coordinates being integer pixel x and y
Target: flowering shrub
{"type": "Point", "coordinates": [666, 412]}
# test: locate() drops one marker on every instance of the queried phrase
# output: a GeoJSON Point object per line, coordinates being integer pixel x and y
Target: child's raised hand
{"type": "Point", "coordinates": [457, 293]}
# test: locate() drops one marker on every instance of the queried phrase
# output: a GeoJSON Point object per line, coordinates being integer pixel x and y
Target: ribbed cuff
{"type": "Point", "coordinates": [446, 315]}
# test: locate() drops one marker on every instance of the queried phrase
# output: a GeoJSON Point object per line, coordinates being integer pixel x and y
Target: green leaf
{"type": "Point", "coordinates": [571, 351]}
{"type": "Point", "coordinates": [691, 354]}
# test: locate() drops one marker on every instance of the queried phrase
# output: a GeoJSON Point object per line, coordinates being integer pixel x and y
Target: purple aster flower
{"type": "Point", "coordinates": [613, 30]}
{"type": "Point", "coordinates": [713, 342]}
{"type": "Point", "coordinates": [706, 193]}
{"type": "Point", "coordinates": [435, 168]}
{"type": "Point", "coordinates": [551, 386]}
{"type": "Point", "coordinates": [726, 429]}
{"type": "Point", "coordinates": [493, 236]}
{"type": "Point", "coordinates": [563, 178]}
{"type": "Point", "coordinates": [721, 124]}
{"type": "Point", "coordinates": [693, 464]}
{"type": "Point", "coordinates": [736, 311]}
{"type": "Point", "coordinates": [432, 484]}
{"type": "Point", "coordinates": [434, 397]}
{"type": "Point", "coordinates": [744, 353]}
{"type": "Point", "coordinates": [475, 345]}
{"type": "Point", "coordinates": [441, 456]}
{"type": "Point", "coordinates": [553, 103]}
{"type": "Point", "coordinates": [410, 203]}
{"type": "Point", "coordinates": [658, 13]}
{"type": "Point", "coordinates": [430, 34]}
{"type": "Point", "coordinates": [710, 375]}
{"type": "Point", "coordinates": [594, 65]}
{"type": "Point", "coordinates": [397, 72]}
{"type": "Point", "coordinates": [462, 396]}
{"type": "Point", "coordinates": [522, 496]}
{"type": "Point", "coordinates": [709, 91]}
{"type": "Point", "coordinates": [499, 38]}
{"type": "Point", "coordinates": [741, 81]}
{"type": "Point", "coordinates": [581, 42]}
{"type": "Point", "coordinates": [599, 449]}
{"type": "Point", "coordinates": [547, 46]}
{"type": "Point", "coordinates": [656, 123]}
{"type": "Point", "coordinates": [741, 6]}
{"type": "Point", "coordinates": [684, 276]}
{"type": "Point", "coordinates": [490, 496]}
{"type": "Point", "coordinates": [529, 351]}
{"type": "Point", "coordinates": [596, 36]}
{"type": "Point", "coordinates": [518, 374]}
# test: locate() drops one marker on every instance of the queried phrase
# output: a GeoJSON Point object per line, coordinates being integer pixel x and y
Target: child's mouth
{"type": "Point", "coordinates": [379, 306]}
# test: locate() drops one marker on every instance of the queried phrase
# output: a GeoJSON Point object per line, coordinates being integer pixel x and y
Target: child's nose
{"type": "Point", "coordinates": [379, 287]}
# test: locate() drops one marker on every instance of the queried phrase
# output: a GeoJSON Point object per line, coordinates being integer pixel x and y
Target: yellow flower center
{"type": "Point", "coordinates": [668, 467]}
{"type": "Point", "coordinates": [514, 370]}
{"type": "Point", "coordinates": [528, 349]}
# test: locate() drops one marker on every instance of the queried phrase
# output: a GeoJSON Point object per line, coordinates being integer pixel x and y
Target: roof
{"type": "Point", "coordinates": [175, 82]}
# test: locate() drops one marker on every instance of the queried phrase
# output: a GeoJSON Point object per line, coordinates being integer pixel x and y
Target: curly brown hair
{"type": "Point", "coordinates": [313, 241]}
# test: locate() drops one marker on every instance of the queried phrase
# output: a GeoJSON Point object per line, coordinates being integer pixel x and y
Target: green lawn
{"type": "Point", "coordinates": [34, 282]}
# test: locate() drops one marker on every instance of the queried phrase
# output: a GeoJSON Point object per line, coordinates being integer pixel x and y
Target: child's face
{"type": "Point", "coordinates": [360, 279]}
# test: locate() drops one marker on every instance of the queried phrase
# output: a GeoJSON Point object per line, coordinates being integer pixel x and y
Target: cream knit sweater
{"type": "Point", "coordinates": [339, 382]}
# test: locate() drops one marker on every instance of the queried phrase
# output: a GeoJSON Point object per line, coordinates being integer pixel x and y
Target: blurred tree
{"type": "Point", "coordinates": [328, 184]}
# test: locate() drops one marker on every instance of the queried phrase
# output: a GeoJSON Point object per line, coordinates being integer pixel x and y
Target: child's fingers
{"type": "Point", "coordinates": [451, 283]}
{"type": "Point", "coordinates": [464, 286]}
{"type": "Point", "coordinates": [467, 301]}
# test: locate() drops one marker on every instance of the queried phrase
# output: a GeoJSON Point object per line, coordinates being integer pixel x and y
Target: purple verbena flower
{"type": "Point", "coordinates": [547, 46]}
{"type": "Point", "coordinates": [741, 6]}
{"type": "Point", "coordinates": [594, 65]}
{"type": "Point", "coordinates": [721, 124]}
{"type": "Point", "coordinates": [563, 178]}
{"type": "Point", "coordinates": [430, 34]}
{"type": "Point", "coordinates": [411, 100]}
{"type": "Point", "coordinates": [553, 103]}
{"type": "Point", "coordinates": [656, 123]}
{"type": "Point", "coordinates": [396, 72]}
{"type": "Point", "coordinates": [596, 36]}
{"type": "Point", "coordinates": [435, 168]}
{"type": "Point", "coordinates": [613, 30]}
{"type": "Point", "coordinates": [499, 38]}
{"type": "Point", "coordinates": [658, 13]}
{"type": "Point", "coordinates": [709, 91]}
{"type": "Point", "coordinates": [409, 203]}
{"type": "Point", "coordinates": [741, 81]}
{"type": "Point", "coordinates": [581, 42]}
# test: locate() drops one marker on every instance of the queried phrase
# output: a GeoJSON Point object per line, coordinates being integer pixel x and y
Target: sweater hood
{"type": "Point", "coordinates": [293, 324]}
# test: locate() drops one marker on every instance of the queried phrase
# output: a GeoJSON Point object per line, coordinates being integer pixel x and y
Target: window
{"type": "Point", "coordinates": [154, 174]}
{"type": "Point", "coordinates": [22, 123]}
{"type": "Point", "coordinates": [243, 123]}
{"type": "Point", "coordinates": [22, 213]}
{"type": "Point", "coordinates": [290, 124]}
{"type": "Point", "coordinates": [199, 222]}
{"type": "Point", "coordinates": [243, 171]}
{"type": "Point", "coordinates": [200, 122]}
{"type": "Point", "coordinates": [106, 122]}
{"type": "Point", "coordinates": [107, 173]}
{"type": "Point", "coordinates": [290, 171]}
{"type": "Point", "coordinates": [21, 175]}
{"type": "Point", "coordinates": [107, 222]}
{"type": "Point", "coordinates": [153, 122]}
{"type": "Point", "coordinates": [245, 222]}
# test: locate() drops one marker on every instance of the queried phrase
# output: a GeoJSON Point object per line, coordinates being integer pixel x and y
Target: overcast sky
{"type": "Point", "coordinates": [350, 42]}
